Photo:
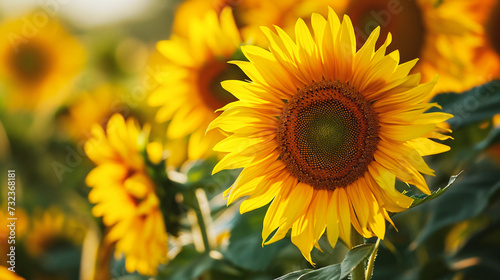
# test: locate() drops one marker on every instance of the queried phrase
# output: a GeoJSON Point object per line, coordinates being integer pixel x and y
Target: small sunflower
{"type": "Point", "coordinates": [124, 195]}
{"type": "Point", "coordinates": [190, 92]}
{"type": "Point", "coordinates": [37, 60]}
{"type": "Point", "coordinates": [443, 34]}
{"type": "Point", "coordinates": [323, 131]}
{"type": "Point", "coordinates": [52, 227]}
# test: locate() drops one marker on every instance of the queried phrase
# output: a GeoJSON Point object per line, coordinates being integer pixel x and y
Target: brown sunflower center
{"type": "Point", "coordinates": [209, 79]}
{"type": "Point", "coordinates": [403, 19]}
{"type": "Point", "coordinates": [29, 62]}
{"type": "Point", "coordinates": [327, 135]}
{"type": "Point", "coordinates": [492, 27]}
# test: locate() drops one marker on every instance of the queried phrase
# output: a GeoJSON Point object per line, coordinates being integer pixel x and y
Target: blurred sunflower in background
{"type": "Point", "coordinates": [250, 15]}
{"type": "Point", "coordinates": [125, 196]}
{"type": "Point", "coordinates": [55, 234]}
{"type": "Point", "coordinates": [323, 131]}
{"type": "Point", "coordinates": [52, 229]}
{"type": "Point", "coordinates": [190, 90]}
{"type": "Point", "coordinates": [36, 71]}
{"type": "Point", "coordinates": [443, 34]}
{"type": "Point", "coordinates": [487, 53]}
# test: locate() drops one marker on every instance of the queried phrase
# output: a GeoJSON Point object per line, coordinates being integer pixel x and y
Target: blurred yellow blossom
{"type": "Point", "coordinates": [250, 15]}
{"type": "Point", "coordinates": [190, 92]}
{"type": "Point", "coordinates": [443, 34]}
{"type": "Point", "coordinates": [125, 195]}
{"type": "Point", "coordinates": [51, 227]}
{"type": "Point", "coordinates": [487, 54]}
{"type": "Point", "coordinates": [38, 59]}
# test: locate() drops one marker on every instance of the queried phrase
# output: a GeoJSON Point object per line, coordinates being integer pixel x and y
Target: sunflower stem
{"type": "Point", "coordinates": [359, 271]}
{"type": "Point", "coordinates": [205, 220]}
{"type": "Point", "coordinates": [371, 261]}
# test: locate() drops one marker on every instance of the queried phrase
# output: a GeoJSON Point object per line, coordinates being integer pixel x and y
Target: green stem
{"type": "Point", "coordinates": [204, 220]}
{"type": "Point", "coordinates": [371, 261]}
{"type": "Point", "coordinates": [205, 226]}
{"type": "Point", "coordinates": [359, 272]}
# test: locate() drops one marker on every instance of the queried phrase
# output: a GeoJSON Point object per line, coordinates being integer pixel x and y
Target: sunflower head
{"type": "Point", "coordinates": [323, 130]}
{"type": "Point", "coordinates": [194, 65]}
{"type": "Point", "coordinates": [51, 228]}
{"type": "Point", "coordinates": [34, 68]}
{"type": "Point", "coordinates": [125, 196]}
{"type": "Point", "coordinates": [30, 62]}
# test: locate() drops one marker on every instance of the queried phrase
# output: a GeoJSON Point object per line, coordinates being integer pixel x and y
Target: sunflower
{"type": "Point", "coordinates": [443, 34]}
{"type": "Point", "coordinates": [33, 66]}
{"type": "Point", "coordinates": [51, 228]}
{"type": "Point", "coordinates": [322, 132]}
{"type": "Point", "coordinates": [124, 195]}
{"type": "Point", "coordinates": [190, 90]}
{"type": "Point", "coordinates": [251, 14]}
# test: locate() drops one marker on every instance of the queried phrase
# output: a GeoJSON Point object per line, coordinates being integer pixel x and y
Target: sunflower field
{"type": "Point", "coordinates": [249, 139]}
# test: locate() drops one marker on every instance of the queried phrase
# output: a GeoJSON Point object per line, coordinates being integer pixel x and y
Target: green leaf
{"type": "Point", "coordinates": [255, 257]}
{"type": "Point", "coordinates": [294, 275]}
{"type": "Point", "coordinates": [492, 138]}
{"type": "Point", "coordinates": [200, 175]}
{"type": "Point", "coordinates": [336, 271]}
{"type": "Point", "coordinates": [468, 144]}
{"type": "Point", "coordinates": [468, 198]}
{"type": "Point", "coordinates": [419, 200]}
{"type": "Point", "coordinates": [199, 170]}
{"type": "Point", "coordinates": [355, 257]}
{"type": "Point", "coordinates": [331, 272]}
{"type": "Point", "coordinates": [472, 106]}
{"type": "Point", "coordinates": [188, 264]}
{"type": "Point", "coordinates": [246, 237]}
